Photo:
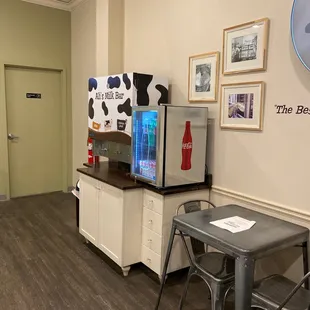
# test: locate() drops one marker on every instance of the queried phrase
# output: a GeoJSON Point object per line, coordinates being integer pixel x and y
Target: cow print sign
{"type": "Point", "coordinates": [111, 99]}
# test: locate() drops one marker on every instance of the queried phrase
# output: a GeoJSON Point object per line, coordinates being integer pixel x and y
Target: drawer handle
{"type": "Point", "coordinates": [149, 240]}
{"type": "Point", "coordinates": [149, 260]}
{"type": "Point", "coordinates": [151, 204]}
{"type": "Point", "coordinates": [98, 187]}
{"type": "Point", "coordinates": [150, 222]}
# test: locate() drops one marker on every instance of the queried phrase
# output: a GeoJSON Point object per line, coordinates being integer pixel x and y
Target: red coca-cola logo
{"type": "Point", "coordinates": [188, 145]}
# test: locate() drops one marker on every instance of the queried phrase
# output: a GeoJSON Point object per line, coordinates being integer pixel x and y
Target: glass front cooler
{"type": "Point", "coordinates": [144, 136]}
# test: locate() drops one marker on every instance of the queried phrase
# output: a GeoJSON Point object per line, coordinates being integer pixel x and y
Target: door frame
{"type": "Point", "coordinates": [4, 150]}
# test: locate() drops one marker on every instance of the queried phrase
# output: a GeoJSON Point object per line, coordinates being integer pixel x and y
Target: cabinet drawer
{"type": "Point", "coordinates": [151, 240]}
{"type": "Point", "coordinates": [153, 201]}
{"type": "Point", "coordinates": [151, 259]}
{"type": "Point", "coordinates": [152, 221]}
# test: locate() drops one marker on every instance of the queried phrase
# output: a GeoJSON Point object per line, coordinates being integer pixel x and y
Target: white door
{"type": "Point", "coordinates": [34, 127]}
{"type": "Point", "coordinates": [89, 194]}
{"type": "Point", "coordinates": [111, 222]}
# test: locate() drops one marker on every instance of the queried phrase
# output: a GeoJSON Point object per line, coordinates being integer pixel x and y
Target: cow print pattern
{"type": "Point", "coordinates": [114, 82]}
{"type": "Point", "coordinates": [125, 107]}
{"type": "Point", "coordinates": [105, 108]}
{"type": "Point", "coordinates": [126, 81]}
{"type": "Point", "coordinates": [92, 84]}
{"type": "Point", "coordinates": [164, 94]}
{"type": "Point", "coordinates": [91, 111]}
{"type": "Point", "coordinates": [141, 85]}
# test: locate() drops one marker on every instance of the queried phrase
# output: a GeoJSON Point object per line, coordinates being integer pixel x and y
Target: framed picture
{"type": "Point", "coordinates": [245, 47]}
{"type": "Point", "coordinates": [242, 106]}
{"type": "Point", "coordinates": [203, 75]}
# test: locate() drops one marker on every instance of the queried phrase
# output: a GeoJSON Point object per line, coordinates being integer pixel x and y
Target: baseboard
{"type": "Point", "coordinates": [70, 189]}
{"type": "Point", "coordinates": [3, 198]}
{"type": "Point", "coordinates": [263, 204]}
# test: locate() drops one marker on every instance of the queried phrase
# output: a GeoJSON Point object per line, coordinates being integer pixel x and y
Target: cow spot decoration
{"type": "Point", "coordinates": [92, 84]}
{"type": "Point", "coordinates": [164, 94]}
{"type": "Point", "coordinates": [114, 82]}
{"type": "Point", "coordinates": [91, 111]}
{"type": "Point", "coordinates": [125, 107]}
{"type": "Point", "coordinates": [105, 108]}
{"type": "Point", "coordinates": [141, 85]}
{"type": "Point", "coordinates": [126, 81]}
{"type": "Point", "coordinates": [111, 99]}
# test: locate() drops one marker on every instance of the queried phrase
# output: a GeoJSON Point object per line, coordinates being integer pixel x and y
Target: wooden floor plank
{"type": "Point", "coordinates": [45, 264]}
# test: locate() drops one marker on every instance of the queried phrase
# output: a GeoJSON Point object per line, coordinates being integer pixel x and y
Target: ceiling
{"type": "Point", "coordinates": [67, 5]}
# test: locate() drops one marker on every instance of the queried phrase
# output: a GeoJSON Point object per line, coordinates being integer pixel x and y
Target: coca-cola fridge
{"type": "Point", "coordinates": [169, 144]}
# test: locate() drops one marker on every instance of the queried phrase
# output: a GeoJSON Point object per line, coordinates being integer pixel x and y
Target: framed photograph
{"type": "Point", "coordinates": [245, 47]}
{"type": "Point", "coordinates": [203, 75]}
{"type": "Point", "coordinates": [242, 106]}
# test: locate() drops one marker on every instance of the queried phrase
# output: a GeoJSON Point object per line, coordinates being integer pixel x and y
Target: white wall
{"type": "Point", "coordinates": [116, 35]}
{"type": "Point", "coordinates": [102, 37]}
{"type": "Point", "coordinates": [83, 42]}
{"type": "Point", "coordinates": [271, 165]}
{"type": "Point", "coordinates": [266, 170]}
{"type": "Point", "coordinates": [97, 50]}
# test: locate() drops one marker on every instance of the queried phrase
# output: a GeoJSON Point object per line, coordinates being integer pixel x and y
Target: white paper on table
{"type": "Point", "coordinates": [234, 224]}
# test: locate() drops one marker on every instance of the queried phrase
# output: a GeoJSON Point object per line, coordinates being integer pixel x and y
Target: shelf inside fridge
{"type": "Point", "coordinates": [144, 144]}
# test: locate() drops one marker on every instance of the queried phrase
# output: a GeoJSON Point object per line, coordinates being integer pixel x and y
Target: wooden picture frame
{"type": "Point", "coordinates": [242, 106]}
{"type": "Point", "coordinates": [245, 47]}
{"type": "Point", "coordinates": [203, 77]}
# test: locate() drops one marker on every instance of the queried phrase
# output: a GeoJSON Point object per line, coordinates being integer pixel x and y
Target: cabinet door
{"type": "Point", "coordinates": [89, 192]}
{"type": "Point", "coordinates": [111, 222]}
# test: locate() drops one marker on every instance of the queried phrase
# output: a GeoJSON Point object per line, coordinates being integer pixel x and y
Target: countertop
{"type": "Point", "coordinates": [113, 177]}
{"type": "Point", "coordinates": [123, 181]}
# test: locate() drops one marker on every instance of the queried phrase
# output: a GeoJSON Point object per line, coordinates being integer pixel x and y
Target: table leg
{"type": "Point", "coordinates": [169, 249]}
{"type": "Point", "coordinates": [305, 261]}
{"type": "Point", "coordinates": [244, 278]}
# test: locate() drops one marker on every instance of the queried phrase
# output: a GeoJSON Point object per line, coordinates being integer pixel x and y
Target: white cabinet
{"type": "Point", "coordinates": [111, 219]}
{"type": "Point", "coordinates": [111, 222]}
{"type": "Point", "coordinates": [158, 212]}
{"type": "Point", "coordinates": [132, 226]}
{"type": "Point", "coordinates": [89, 196]}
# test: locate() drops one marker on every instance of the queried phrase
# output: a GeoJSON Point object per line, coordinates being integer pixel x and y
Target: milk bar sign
{"type": "Point", "coordinates": [33, 96]}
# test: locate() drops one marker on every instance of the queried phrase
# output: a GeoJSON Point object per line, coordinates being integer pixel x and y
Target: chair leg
{"type": "Point", "coordinates": [218, 295]}
{"type": "Point", "coordinates": [216, 304]}
{"type": "Point", "coordinates": [182, 300]}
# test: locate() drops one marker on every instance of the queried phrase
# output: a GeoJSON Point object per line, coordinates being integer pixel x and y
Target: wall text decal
{"type": "Point", "coordinates": [299, 110]}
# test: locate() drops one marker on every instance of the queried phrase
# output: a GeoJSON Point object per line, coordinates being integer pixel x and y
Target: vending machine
{"type": "Point", "coordinates": [169, 145]}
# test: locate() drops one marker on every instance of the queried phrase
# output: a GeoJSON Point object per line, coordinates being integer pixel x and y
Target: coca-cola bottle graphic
{"type": "Point", "coordinates": [187, 146]}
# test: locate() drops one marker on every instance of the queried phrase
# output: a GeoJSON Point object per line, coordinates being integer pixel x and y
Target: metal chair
{"type": "Point", "coordinates": [216, 269]}
{"type": "Point", "coordinates": [277, 292]}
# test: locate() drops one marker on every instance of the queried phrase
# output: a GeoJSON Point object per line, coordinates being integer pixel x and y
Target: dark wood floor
{"type": "Point", "coordinates": [45, 264]}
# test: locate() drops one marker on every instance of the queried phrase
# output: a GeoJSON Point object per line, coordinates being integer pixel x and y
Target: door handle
{"type": "Point", "coordinates": [12, 137]}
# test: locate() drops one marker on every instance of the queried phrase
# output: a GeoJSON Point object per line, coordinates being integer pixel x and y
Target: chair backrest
{"type": "Point", "coordinates": [198, 247]}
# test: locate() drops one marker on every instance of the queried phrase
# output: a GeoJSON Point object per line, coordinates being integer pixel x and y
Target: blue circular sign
{"type": "Point", "coordinates": [300, 30]}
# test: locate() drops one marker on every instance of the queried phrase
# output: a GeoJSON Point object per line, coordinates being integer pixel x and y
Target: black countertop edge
{"type": "Point", "coordinates": [176, 189]}
{"type": "Point", "coordinates": [122, 180]}
{"type": "Point", "coordinates": [113, 178]}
